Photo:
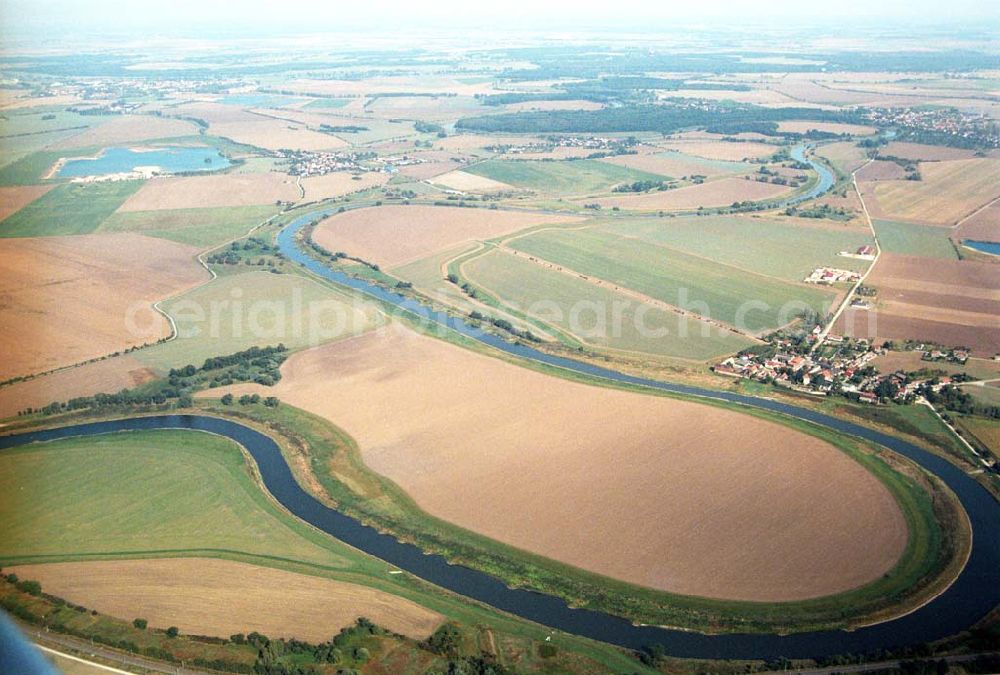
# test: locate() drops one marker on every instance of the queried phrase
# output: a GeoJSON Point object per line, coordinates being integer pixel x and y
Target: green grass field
{"type": "Point", "coordinates": [70, 208]}
{"type": "Point", "coordinates": [143, 492]}
{"type": "Point", "coordinates": [599, 316]}
{"type": "Point", "coordinates": [708, 288]}
{"type": "Point", "coordinates": [769, 246]}
{"type": "Point", "coordinates": [239, 311]}
{"type": "Point", "coordinates": [568, 177]}
{"type": "Point", "coordinates": [25, 132]}
{"type": "Point", "coordinates": [199, 227]}
{"type": "Point", "coordinates": [910, 239]}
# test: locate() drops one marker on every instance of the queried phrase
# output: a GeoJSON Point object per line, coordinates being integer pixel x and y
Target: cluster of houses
{"type": "Point", "coordinates": [831, 275]}
{"type": "Point", "coordinates": [595, 143]}
{"type": "Point", "coordinates": [304, 163]}
{"type": "Point", "coordinates": [848, 371]}
{"type": "Point", "coordinates": [980, 129]}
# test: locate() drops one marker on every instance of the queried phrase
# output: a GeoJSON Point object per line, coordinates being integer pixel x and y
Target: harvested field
{"type": "Point", "coordinates": [68, 299]}
{"type": "Point", "coordinates": [925, 153]}
{"type": "Point", "coordinates": [722, 150]}
{"type": "Point", "coordinates": [677, 165]}
{"type": "Point", "coordinates": [395, 235]}
{"type": "Point", "coordinates": [984, 225]}
{"type": "Point", "coordinates": [105, 376]}
{"type": "Point", "coordinates": [845, 157]}
{"type": "Point", "coordinates": [801, 127]}
{"type": "Point", "coordinates": [722, 192]}
{"type": "Point", "coordinates": [429, 169]}
{"type": "Point", "coordinates": [128, 129]}
{"type": "Point", "coordinates": [982, 429]}
{"type": "Point", "coordinates": [881, 169]}
{"type": "Point", "coordinates": [204, 228]}
{"type": "Point", "coordinates": [274, 134]}
{"type": "Point", "coordinates": [341, 183]}
{"type": "Point", "coordinates": [204, 596]}
{"type": "Point", "coordinates": [950, 302]}
{"type": "Point", "coordinates": [191, 192]}
{"type": "Point", "coordinates": [471, 142]}
{"type": "Point", "coordinates": [949, 191]}
{"type": "Point", "coordinates": [469, 182]}
{"type": "Point", "coordinates": [16, 198]}
{"type": "Point", "coordinates": [497, 454]}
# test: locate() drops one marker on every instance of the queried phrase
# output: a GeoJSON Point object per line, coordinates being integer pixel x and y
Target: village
{"type": "Point", "coordinates": [842, 366]}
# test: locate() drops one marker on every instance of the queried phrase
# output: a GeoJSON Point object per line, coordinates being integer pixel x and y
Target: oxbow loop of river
{"type": "Point", "coordinates": [974, 593]}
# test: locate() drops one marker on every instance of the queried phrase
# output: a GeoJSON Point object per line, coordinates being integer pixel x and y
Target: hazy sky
{"type": "Point", "coordinates": [39, 17]}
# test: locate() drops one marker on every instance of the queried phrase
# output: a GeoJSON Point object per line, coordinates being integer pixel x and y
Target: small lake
{"type": "Point", "coordinates": [167, 159]}
{"type": "Point", "coordinates": [991, 247]}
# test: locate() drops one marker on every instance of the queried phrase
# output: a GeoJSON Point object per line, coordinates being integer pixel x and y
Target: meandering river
{"type": "Point", "coordinates": [974, 593]}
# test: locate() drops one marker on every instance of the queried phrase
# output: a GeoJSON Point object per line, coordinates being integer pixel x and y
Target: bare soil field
{"type": "Point", "coordinates": [925, 153]}
{"type": "Point", "coordinates": [731, 507]}
{"type": "Point", "coordinates": [951, 302]}
{"type": "Point", "coordinates": [983, 226]}
{"type": "Point", "coordinates": [13, 199]}
{"type": "Point", "coordinates": [949, 191]}
{"type": "Point", "coordinates": [106, 376]}
{"type": "Point", "coordinates": [673, 164]}
{"type": "Point", "coordinates": [273, 134]}
{"type": "Point", "coordinates": [67, 299]}
{"type": "Point", "coordinates": [468, 182]}
{"type": "Point", "coordinates": [341, 183]}
{"type": "Point", "coordinates": [881, 169]}
{"type": "Point", "coordinates": [189, 192]}
{"type": "Point", "coordinates": [394, 235]}
{"type": "Point", "coordinates": [801, 127]}
{"type": "Point", "coordinates": [128, 129]}
{"type": "Point", "coordinates": [725, 150]}
{"type": "Point", "coordinates": [722, 192]}
{"type": "Point", "coordinates": [205, 596]}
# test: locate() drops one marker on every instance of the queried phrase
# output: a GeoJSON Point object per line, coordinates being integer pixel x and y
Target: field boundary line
{"type": "Point", "coordinates": [878, 254]}
{"type": "Point", "coordinates": [982, 208]}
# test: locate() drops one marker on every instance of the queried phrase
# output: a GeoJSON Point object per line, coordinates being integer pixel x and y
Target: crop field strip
{"type": "Point", "coordinates": [69, 208]}
{"type": "Point", "coordinates": [201, 227]}
{"type": "Point", "coordinates": [609, 319]}
{"type": "Point", "coordinates": [571, 177]}
{"type": "Point", "coordinates": [675, 277]}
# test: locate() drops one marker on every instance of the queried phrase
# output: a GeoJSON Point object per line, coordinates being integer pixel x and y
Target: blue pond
{"type": "Point", "coordinates": [168, 159]}
{"type": "Point", "coordinates": [991, 247]}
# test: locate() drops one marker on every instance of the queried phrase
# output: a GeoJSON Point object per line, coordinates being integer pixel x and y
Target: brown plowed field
{"type": "Point", "coordinates": [950, 302]}
{"type": "Point", "coordinates": [722, 192]}
{"type": "Point", "coordinates": [107, 376]}
{"type": "Point", "coordinates": [337, 184]}
{"type": "Point", "coordinates": [393, 235]}
{"type": "Point", "coordinates": [205, 596]}
{"type": "Point", "coordinates": [13, 199]}
{"type": "Point", "coordinates": [230, 189]}
{"type": "Point", "coordinates": [663, 493]}
{"type": "Point", "coordinates": [66, 299]}
{"type": "Point", "coordinates": [983, 226]}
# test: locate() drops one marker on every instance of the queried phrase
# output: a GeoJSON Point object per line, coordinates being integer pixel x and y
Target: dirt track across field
{"type": "Point", "coordinates": [663, 493]}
